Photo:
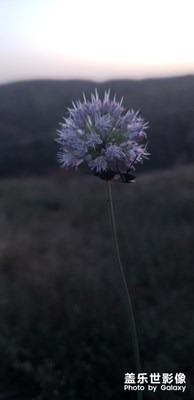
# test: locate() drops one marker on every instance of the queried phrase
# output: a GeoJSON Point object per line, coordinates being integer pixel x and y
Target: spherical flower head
{"type": "Point", "coordinates": [99, 134]}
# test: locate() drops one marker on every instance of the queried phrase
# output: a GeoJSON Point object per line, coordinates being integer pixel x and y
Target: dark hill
{"type": "Point", "coordinates": [30, 113]}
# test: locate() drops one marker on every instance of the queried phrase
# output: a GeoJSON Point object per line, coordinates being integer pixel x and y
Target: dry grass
{"type": "Point", "coordinates": [64, 327]}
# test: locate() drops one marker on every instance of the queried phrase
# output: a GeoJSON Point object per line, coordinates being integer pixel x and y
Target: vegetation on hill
{"type": "Point", "coordinates": [30, 113]}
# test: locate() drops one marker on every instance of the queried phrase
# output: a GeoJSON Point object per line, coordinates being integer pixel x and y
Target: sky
{"type": "Point", "coordinates": [95, 39]}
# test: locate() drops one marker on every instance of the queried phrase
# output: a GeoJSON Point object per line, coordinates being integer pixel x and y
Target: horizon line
{"type": "Point", "coordinates": [97, 81]}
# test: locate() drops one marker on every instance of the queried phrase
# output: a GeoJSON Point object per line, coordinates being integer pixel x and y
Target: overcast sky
{"type": "Point", "coordinates": [95, 39]}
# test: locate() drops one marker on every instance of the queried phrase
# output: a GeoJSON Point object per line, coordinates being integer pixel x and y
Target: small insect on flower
{"type": "Point", "coordinates": [98, 134]}
{"type": "Point", "coordinates": [110, 175]}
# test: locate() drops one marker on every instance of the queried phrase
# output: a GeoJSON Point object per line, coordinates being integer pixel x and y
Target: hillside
{"type": "Point", "coordinates": [64, 330]}
{"type": "Point", "coordinates": [30, 113]}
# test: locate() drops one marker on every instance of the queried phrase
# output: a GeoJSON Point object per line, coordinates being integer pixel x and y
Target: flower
{"type": "Point", "coordinates": [98, 133]}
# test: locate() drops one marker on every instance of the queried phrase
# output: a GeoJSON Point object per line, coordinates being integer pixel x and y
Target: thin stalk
{"type": "Point", "coordinates": [128, 298]}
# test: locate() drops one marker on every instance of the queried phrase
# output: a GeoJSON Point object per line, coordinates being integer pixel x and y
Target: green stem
{"type": "Point", "coordinates": [128, 299]}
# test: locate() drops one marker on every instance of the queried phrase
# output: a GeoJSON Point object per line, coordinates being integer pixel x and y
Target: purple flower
{"type": "Point", "coordinates": [99, 164]}
{"type": "Point", "coordinates": [98, 133]}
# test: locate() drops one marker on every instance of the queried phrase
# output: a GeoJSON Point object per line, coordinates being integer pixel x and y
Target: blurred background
{"type": "Point", "coordinates": [63, 318]}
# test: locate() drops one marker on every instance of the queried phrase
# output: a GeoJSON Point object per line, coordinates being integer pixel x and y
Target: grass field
{"type": "Point", "coordinates": [64, 331]}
